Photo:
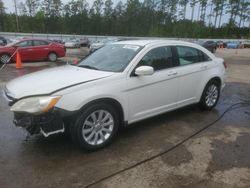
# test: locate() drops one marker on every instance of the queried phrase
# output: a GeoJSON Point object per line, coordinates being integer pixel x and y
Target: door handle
{"type": "Point", "coordinates": [204, 67]}
{"type": "Point", "coordinates": [30, 49]}
{"type": "Point", "coordinates": [172, 73]}
{"type": "Point", "coordinates": [46, 48]}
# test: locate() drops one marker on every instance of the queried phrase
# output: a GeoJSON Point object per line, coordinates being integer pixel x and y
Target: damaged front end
{"type": "Point", "coordinates": [47, 124]}
{"type": "Point", "coordinates": [37, 114]}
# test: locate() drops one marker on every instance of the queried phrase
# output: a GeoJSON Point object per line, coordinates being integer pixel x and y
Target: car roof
{"type": "Point", "coordinates": [33, 39]}
{"type": "Point", "coordinates": [153, 42]}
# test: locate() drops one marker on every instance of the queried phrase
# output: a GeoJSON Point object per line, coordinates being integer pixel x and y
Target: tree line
{"type": "Point", "coordinates": [162, 18]}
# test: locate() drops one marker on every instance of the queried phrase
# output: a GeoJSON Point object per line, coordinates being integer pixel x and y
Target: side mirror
{"type": "Point", "coordinates": [144, 71]}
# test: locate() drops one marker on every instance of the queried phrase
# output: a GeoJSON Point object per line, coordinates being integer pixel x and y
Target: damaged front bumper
{"type": "Point", "coordinates": [48, 123]}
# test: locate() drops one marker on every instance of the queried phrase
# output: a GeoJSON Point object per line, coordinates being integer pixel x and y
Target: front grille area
{"type": "Point", "coordinates": [49, 122]}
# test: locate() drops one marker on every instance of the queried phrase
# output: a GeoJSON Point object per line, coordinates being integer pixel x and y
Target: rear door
{"type": "Point", "coordinates": [192, 72]}
{"type": "Point", "coordinates": [40, 49]}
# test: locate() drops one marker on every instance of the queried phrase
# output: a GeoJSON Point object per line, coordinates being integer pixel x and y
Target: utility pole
{"type": "Point", "coordinates": [17, 24]}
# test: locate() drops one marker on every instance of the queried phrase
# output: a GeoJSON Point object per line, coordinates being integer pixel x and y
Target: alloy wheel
{"type": "Point", "coordinates": [52, 57]}
{"type": "Point", "coordinates": [4, 58]}
{"type": "Point", "coordinates": [211, 95]}
{"type": "Point", "coordinates": [97, 127]}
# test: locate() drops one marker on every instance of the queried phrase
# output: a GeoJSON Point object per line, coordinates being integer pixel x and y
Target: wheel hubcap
{"type": "Point", "coordinates": [211, 95]}
{"type": "Point", "coordinates": [52, 57]}
{"type": "Point", "coordinates": [98, 127]}
{"type": "Point", "coordinates": [5, 58]}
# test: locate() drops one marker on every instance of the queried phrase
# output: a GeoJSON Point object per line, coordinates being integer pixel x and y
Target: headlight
{"type": "Point", "coordinates": [35, 105]}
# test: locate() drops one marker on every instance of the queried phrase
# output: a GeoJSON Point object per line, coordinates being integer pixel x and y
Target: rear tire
{"type": "Point", "coordinates": [95, 127]}
{"type": "Point", "coordinates": [210, 95]}
{"type": "Point", "coordinates": [52, 57]}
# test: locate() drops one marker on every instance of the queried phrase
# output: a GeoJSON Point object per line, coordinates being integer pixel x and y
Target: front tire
{"type": "Point", "coordinates": [4, 58]}
{"type": "Point", "coordinates": [210, 95]}
{"type": "Point", "coordinates": [95, 127]}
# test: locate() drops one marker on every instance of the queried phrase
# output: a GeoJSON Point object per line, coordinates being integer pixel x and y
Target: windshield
{"type": "Point", "coordinates": [11, 44]}
{"type": "Point", "coordinates": [112, 58]}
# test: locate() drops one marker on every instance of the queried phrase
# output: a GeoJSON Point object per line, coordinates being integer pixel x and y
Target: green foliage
{"type": "Point", "coordinates": [2, 15]}
{"type": "Point", "coordinates": [162, 18]}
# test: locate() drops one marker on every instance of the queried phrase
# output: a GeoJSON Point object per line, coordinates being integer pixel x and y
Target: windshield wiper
{"type": "Point", "coordinates": [88, 67]}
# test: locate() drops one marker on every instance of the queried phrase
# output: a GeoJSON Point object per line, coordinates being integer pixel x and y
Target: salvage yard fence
{"type": "Point", "coordinates": [99, 37]}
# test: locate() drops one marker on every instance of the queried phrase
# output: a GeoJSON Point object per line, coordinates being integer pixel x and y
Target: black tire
{"type": "Point", "coordinates": [204, 102]}
{"type": "Point", "coordinates": [52, 56]}
{"type": "Point", "coordinates": [4, 56]}
{"type": "Point", "coordinates": [77, 127]}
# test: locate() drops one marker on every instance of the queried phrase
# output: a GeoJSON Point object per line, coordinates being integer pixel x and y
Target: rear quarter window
{"type": "Point", "coordinates": [189, 55]}
{"type": "Point", "coordinates": [40, 43]}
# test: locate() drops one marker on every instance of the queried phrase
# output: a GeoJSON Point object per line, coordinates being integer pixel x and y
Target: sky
{"type": "Point", "coordinates": [9, 5]}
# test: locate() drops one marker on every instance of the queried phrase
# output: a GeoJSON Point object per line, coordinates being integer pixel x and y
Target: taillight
{"type": "Point", "coordinates": [225, 64]}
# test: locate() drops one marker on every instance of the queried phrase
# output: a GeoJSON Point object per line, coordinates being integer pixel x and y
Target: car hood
{"type": "Point", "coordinates": [51, 80]}
{"type": "Point", "coordinates": [6, 48]}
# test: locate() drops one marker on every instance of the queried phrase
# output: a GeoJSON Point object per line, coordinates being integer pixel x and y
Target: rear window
{"type": "Point", "coordinates": [188, 55]}
{"type": "Point", "coordinates": [39, 43]}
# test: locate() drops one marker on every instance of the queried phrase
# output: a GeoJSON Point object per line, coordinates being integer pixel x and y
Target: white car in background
{"type": "Point", "coordinates": [99, 44]}
{"type": "Point", "coordinates": [72, 43]}
{"type": "Point", "coordinates": [17, 39]}
{"type": "Point", "coordinates": [96, 45]}
{"type": "Point", "coordinates": [119, 84]}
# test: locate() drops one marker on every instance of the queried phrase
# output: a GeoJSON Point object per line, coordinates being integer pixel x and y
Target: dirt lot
{"type": "Point", "coordinates": [217, 157]}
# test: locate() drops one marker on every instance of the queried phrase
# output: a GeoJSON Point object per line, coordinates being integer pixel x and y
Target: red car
{"type": "Point", "coordinates": [32, 50]}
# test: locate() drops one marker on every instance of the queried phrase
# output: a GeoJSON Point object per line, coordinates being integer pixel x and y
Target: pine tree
{"type": "Point", "coordinates": [183, 3]}
{"type": "Point", "coordinates": [2, 14]}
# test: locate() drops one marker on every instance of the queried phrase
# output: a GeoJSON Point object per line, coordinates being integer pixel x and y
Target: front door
{"type": "Point", "coordinates": [151, 95]}
{"type": "Point", "coordinates": [25, 48]}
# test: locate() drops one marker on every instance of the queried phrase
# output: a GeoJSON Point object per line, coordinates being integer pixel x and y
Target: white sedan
{"type": "Point", "coordinates": [119, 84]}
{"type": "Point", "coordinates": [72, 43]}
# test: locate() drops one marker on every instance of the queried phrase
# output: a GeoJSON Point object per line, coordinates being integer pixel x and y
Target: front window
{"type": "Point", "coordinates": [158, 58]}
{"type": "Point", "coordinates": [112, 58]}
{"type": "Point", "coordinates": [25, 43]}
